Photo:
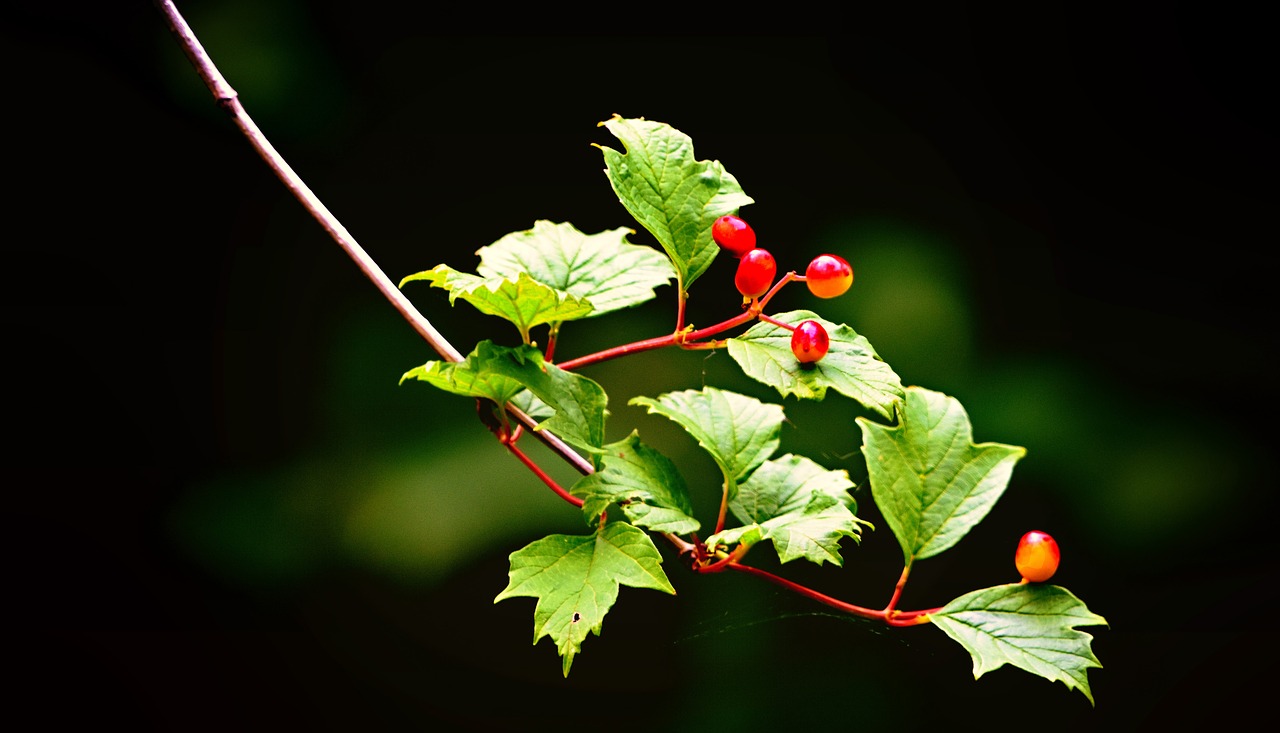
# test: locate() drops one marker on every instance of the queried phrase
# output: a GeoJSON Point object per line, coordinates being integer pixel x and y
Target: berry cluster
{"type": "Point", "coordinates": [827, 276]}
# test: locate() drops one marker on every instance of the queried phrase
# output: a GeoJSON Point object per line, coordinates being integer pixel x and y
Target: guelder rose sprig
{"type": "Point", "coordinates": [800, 507]}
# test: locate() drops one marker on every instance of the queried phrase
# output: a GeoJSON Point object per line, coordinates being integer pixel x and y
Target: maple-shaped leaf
{"type": "Point", "coordinates": [802, 507]}
{"type": "Point", "coordinates": [522, 300]}
{"type": "Point", "coordinates": [1028, 625]}
{"type": "Point", "coordinates": [930, 481]}
{"type": "Point", "coordinates": [670, 192]}
{"type": "Point", "coordinates": [739, 432]}
{"type": "Point", "coordinates": [643, 482]}
{"type": "Point", "coordinates": [851, 366]}
{"type": "Point", "coordinates": [576, 579]}
{"type": "Point", "coordinates": [602, 269]}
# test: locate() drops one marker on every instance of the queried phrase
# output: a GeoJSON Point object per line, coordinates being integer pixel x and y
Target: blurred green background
{"type": "Point", "coordinates": [227, 513]}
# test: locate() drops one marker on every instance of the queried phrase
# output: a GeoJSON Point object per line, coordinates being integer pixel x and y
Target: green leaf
{"type": "Point", "coordinates": [1028, 625]}
{"type": "Point", "coordinates": [670, 192]}
{"type": "Point", "coordinates": [644, 483]}
{"type": "Point", "coordinates": [466, 378]}
{"type": "Point", "coordinates": [522, 300]}
{"type": "Point", "coordinates": [850, 367]}
{"type": "Point", "coordinates": [739, 432]}
{"type": "Point", "coordinates": [576, 579]}
{"type": "Point", "coordinates": [602, 269]}
{"type": "Point", "coordinates": [930, 481]}
{"type": "Point", "coordinates": [802, 507]}
{"type": "Point", "coordinates": [579, 402]}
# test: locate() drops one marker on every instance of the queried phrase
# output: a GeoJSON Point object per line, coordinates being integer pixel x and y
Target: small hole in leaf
{"type": "Point", "coordinates": [576, 617]}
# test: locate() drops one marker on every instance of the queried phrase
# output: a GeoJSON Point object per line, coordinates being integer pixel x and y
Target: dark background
{"type": "Point", "coordinates": [224, 511]}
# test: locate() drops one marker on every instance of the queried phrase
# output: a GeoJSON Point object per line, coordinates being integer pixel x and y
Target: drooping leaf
{"type": "Point", "coordinates": [529, 403]}
{"type": "Point", "coordinates": [471, 377]}
{"type": "Point", "coordinates": [466, 378]}
{"type": "Point", "coordinates": [579, 402]}
{"type": "Point", "coordinates": [670, 192]}
{"type": "Point", "coordinates": [1028, 625]}
{"type": "Point", "coordinates": [851, 366]}
{"type": "Point", "coordinates": [522, 300]}
{"type": "Point", "coordinates": [929, 479]}
{"type": "Point", "coordinates": [602, 269]}
{"type": "Point", "coordinates": [576, 579]}
{"type": "Point", "coordinates": [739, 432]}
{"type": "Point", "coordinates": [645, 483]}
{"type": "Point", "coordinates": [802, 507]}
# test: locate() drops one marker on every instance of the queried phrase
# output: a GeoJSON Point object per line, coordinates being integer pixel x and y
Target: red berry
{"type": "Point", "coordinates": [733, 235]}
{"type": "Point", "coordinates": [809, 342]}
{"type": "Point", "coordinates": [755, 273]}
{"type": "Point", "coordinates": [1037, 556]}
{"type": "Point", "coordinates": [828, 276]}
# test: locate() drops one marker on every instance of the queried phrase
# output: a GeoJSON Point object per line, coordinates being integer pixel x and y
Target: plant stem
{"type": "Point", "coordinates": [658, 342]}
{"type": "Point", "coordinates": [910, 618]}
{"type": "Point", "coordinates": [226, 98]}
{"type": "Point", "coordinates": [897, 589]}
{"type": "Point", "coordinates": [537, 471]}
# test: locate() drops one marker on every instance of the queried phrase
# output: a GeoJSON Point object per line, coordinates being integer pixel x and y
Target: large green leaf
{"type": "Point", "coordinates": [850, 367]}
{"type": "Point", "coordinates": [602, 269]}
{"type": "Point", "coordinates": [1027, 625]}
{"type": "Point", "coordinates": [576, 579]}
{"type": "Point", "coordinates": [802, 507]}
{"type": "Point", "coordinates": [643, 482]}
{"type": "Point", "coordinates": [739, 432]}
{"type": "Point", "coordinates": [522, 300]}
{"type": "Point", "coordinates": [670, 192]}
{"type": "Point", "coordinates": [930, 481]}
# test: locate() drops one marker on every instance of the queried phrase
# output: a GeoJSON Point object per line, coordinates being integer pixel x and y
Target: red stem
{"type": "Point", "coordinates": [537, 470]}
{"type": "Point", "coordinates": [897, 589]}
{"type": "Point", "coordinates": [892, 618]}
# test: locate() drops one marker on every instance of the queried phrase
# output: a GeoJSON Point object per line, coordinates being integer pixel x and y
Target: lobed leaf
{"type": "Point", "coordinates": [672, 194]}
{"type": "Point", "coordinates": [522, 300]}
{"type": "Point", "coordinates": [930, 481]}
{"type": "Point", "coordinates": [576, 580]}
{"type": "Point", "coordinates": [850, 367]}
{"type": "Point", "coordinates": [739, 432]}
{"type": "Point", "coordinates": [644, 483]}
{"type": "Point", "coordinates": [603, 269]}
{"type": "Point", "coordinates": [1028, 625]}
{"type": "Point", "coordinates": [802, 507]}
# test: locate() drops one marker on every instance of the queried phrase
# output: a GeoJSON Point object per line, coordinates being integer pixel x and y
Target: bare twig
{"type": "Point", "coordinates": [227, 99]}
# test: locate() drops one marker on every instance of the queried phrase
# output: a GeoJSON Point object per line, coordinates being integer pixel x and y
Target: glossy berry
{"type": "Point", "coordinates": [828, 276]}
{"type": "Point", "coordinates": [756, 270]}
{"type": "Point", "coordinates": [809, 342]}
{"type": "Point", "coordinates": [1037, 556]}
{"type": "Point", "coordinates": [734, 235]}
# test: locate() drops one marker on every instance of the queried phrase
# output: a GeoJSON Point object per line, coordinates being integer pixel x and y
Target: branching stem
{"type": "Point", "coordinates": [226, 98]}
{"type": "Point", "coordinates": [532, 465]}
{"type": "Point", "coordinates": [892, 618]}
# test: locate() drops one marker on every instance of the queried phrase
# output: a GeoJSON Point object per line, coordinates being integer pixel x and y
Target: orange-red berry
{"type": "Point", "coordinates": [810, 342]}
{"type": "Point", "coordinates": [756, 270]}
{"type": "Point", "coordinates": [733, 235]}
{"type": "Point", "coordinates": [1037, 556]}
{"type": "Point", "coordinates": [828, 276]}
